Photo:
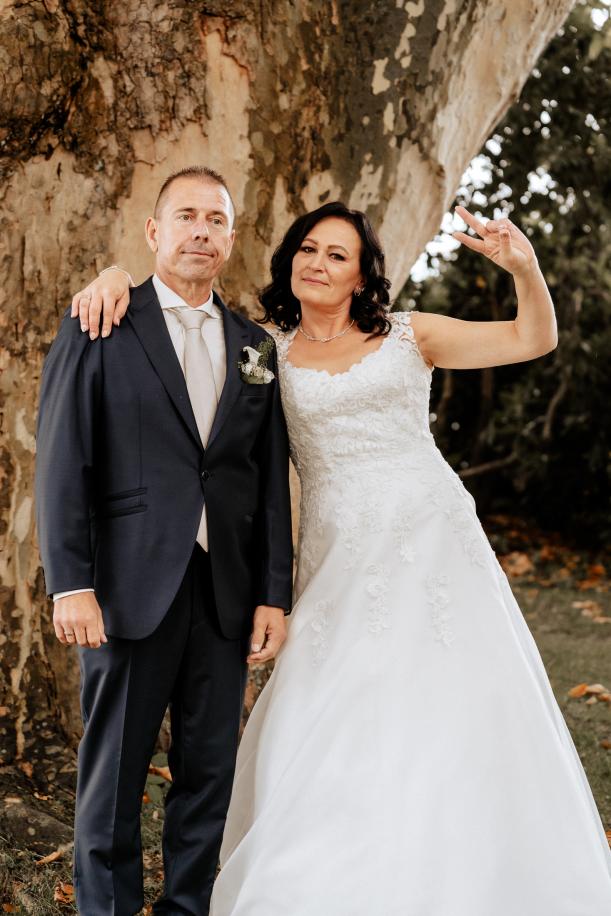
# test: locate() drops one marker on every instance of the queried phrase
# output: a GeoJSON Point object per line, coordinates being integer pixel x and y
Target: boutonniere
{"type": "Point", "coordinates": [253, 365]}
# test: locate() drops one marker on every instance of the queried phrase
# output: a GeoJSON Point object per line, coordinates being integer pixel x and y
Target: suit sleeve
{"type": "Point", "coordinates": [69, 400]}
{"type": "Point", "coordinates": [275, 530]}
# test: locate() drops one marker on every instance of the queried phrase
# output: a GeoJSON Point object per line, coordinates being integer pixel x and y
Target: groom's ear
{"type": "Point", "coordinates": [229, 245]}
{"type": "Point", "coordinates": [150, 230]}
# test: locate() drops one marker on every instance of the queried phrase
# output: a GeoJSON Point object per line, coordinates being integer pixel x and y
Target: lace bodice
{"type": "Point", "coordinates": [375, 412]}
{"type": "Point", "coordinates": [367, 460]}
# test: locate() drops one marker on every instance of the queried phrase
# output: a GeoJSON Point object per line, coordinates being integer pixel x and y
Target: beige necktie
{"type": "Point", "coordinates": [200, 385]}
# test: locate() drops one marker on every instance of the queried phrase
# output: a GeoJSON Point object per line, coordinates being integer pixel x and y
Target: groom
{"type": "Point", "coordinates": [164, 523]}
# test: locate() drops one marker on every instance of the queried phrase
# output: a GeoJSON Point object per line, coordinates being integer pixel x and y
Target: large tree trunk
{"type": "Point", "coordinates": [381, 104]}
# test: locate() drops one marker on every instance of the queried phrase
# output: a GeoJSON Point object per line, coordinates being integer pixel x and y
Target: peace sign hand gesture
{"type": "Point", "coordinates": [501, 241]}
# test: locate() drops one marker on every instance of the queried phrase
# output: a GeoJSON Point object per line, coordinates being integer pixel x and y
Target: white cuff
{"type": "Point", "coordinates": [75, 591]}
{"type": "Point", "coordinates": [130, 279]}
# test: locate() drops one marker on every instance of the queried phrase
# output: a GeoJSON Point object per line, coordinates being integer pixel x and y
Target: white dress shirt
{"type": "Point", "coordinates": [214, 338]}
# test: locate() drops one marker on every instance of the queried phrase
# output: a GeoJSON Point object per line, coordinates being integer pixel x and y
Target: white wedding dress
{"type": "Point", "coordinates": [407, 756]}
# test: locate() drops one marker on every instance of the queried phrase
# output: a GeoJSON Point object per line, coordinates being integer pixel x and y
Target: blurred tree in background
{"type": "Point", "coordinates": [536, 437]}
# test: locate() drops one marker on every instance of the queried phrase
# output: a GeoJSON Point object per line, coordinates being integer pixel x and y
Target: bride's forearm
{"type": "Point", "coordinates": [535, 321]}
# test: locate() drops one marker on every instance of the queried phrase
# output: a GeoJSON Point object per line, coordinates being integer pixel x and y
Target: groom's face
{"type": "Point", "coordinates": [192, 232]}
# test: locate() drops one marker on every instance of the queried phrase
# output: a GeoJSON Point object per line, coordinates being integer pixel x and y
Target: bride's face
{"type": "Point", "coordinates": [326, 268]}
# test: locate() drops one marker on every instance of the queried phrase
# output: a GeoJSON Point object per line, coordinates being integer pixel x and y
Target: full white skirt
{"type": "Point", "coordinates": [407, 756]}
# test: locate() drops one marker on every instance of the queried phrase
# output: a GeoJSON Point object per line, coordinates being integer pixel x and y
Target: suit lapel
{"type": "Point", "coordinates": [236, 338]}
{"type": "Point", "coordinates": [147, 320]}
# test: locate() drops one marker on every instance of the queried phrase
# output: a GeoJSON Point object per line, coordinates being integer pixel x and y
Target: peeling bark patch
{"type": "Point", "coordinates": [379, 82]}
{"type": "Point", "coordinates": [23, 519]}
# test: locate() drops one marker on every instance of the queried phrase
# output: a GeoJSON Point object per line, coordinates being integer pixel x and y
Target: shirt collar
{"type": "Point", "coordinates": [168, 299]}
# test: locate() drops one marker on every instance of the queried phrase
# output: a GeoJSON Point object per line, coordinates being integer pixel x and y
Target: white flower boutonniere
{"type": "Point", "coordinates": [253, 365]}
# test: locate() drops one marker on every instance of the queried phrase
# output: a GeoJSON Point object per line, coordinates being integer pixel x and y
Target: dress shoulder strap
{"type": "Point", "coordinates": [403, 331]}
{"type": "Point", "coordinates": [402, 326]}
{"type": "Point", "coordinates": [282, 340]}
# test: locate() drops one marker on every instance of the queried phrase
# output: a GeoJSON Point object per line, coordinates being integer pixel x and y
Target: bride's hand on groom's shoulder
{"type": "Point", "coordinates": [268, 634]}
{"type": "Point", "coordinates": [102, 303]}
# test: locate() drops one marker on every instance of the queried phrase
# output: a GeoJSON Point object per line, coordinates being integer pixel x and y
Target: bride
{"type": "Point", "coordinates": [407, 756]}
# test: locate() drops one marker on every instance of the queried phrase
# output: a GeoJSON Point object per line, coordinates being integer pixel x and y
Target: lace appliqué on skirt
{"type": "Point", "coordinates": [438, 600]}
{"type": "Point", "coordinates": [378, 615]}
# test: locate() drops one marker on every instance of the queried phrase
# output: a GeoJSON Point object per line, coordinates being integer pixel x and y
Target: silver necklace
{"type": "Point", "coordinates": [325, 339]}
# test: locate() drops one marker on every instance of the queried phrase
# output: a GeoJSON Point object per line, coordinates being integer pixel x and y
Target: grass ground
{"type": "Point", "coordinates": [566, 615]}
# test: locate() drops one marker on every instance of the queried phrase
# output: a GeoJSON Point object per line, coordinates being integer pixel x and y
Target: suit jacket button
{"type": "Point", "coordinates": [205, 475]}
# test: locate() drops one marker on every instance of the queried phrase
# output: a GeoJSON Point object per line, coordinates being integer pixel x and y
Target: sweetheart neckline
{"type": "Point", "coordinates": [347, 371]}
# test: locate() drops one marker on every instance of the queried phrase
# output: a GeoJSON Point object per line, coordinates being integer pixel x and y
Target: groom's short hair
{"type": "Point", "coordinates": [193, 171]}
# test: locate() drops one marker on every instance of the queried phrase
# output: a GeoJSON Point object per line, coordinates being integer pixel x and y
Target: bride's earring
{"type": "Point", "coordinates": [359, 290]}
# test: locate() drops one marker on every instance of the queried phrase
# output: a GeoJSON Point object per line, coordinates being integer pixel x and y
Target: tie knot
{"type": "Point", "coordinates": [191, 319]}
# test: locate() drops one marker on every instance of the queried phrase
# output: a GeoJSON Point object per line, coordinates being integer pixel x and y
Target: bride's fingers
{"type": "Point", "coordinates": [472, 221]}
{"type": "Point", "coordinates": [470, 242]}
{"type": "Point", "coordinates": [504, 243]}
{"type": "Point", "coordinates": [495, 225]}
{"type": "Point", "coordinates": [74, 307]}
{"type": "Point", "coordinates": [95, 310]}
{"type": "Point", "coordinates": [121, 308]}
{"type": "Point", "coordinates": [108, 309]}
{"type": "Point", "coordinates": [83, 310]}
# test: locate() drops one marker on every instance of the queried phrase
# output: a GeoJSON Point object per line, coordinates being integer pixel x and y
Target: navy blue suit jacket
{"type": "Point", "coordinates": [121, 474]}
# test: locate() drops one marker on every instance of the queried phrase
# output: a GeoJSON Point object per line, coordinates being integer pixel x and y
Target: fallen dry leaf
{"type": "Point", "coordinates": [590, 690]}
{"type": "Point", "coordinates": [597, 570]}
{"type": "Point", "coordinates": [63, 894]}
{"type": "Point", "coordinates": [596, 688]}
{"type": "Point", "coordinates": [548, 552]}
{"type": "Point", "coordinates": [605, 697]}
{"type": "Point", "coordinates": [26, 768]}
{"type": "Point", "coordinates": [588, 608]}
{"type": "Point", "coordinates": [146, 799]}
{"type": "Point", "coordinates": [591, 701]}
{"type": "Point", "coordinates": [52, 857]}
{"type": "Point", "coordinates": [4, 712]}
{"type": "Point", "coordinates": [516, 563]}
{"type": "Point", "coordinates": [594, 577]}
{"type": "Point", "coordinates": [606, 743]}
{"type": "Point", "coordinates": [601, 619]}
{"type": "Point", "coordinates": [8, 908]}
{"type": "Point", "coordinates": [161, 771]}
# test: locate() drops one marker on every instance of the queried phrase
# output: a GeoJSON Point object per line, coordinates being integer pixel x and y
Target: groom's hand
{"type": "Point", "coordinates": [78, 619]}
{"type": "Point", "coordinates": [268, 634]}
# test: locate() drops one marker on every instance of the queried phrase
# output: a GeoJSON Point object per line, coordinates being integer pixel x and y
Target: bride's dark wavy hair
{"type": "Point", "coordinates": [369, 308]}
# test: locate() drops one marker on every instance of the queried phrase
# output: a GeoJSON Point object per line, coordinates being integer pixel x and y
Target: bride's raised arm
{"type": "Point", "coordinates": [105, 298]}
{"type": "Point", "coordinates": [454, 344]}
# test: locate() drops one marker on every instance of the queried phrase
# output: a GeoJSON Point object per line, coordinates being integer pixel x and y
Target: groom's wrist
{"type": "Point", "coordinates": [282, 604]}
{"type": "Point", "coordinates": [74, 591]}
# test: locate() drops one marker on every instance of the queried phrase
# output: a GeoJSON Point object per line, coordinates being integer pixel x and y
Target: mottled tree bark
{"type": "Point", "coordinates": [381, 104]}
